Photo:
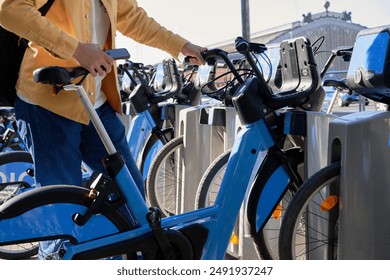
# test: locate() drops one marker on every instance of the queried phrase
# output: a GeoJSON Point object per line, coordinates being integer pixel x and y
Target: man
{"type": "Point", "coordinates": [75, 32]}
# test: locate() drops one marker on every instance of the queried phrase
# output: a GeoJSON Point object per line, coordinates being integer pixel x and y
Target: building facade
{"type": "Point", "coordinates": [326, 31]}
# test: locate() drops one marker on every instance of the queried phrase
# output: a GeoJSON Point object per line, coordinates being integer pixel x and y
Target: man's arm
{"type": "Point", "coordinates": [23, 18]}
{"type": "Point", "coordinates": [134, 22]}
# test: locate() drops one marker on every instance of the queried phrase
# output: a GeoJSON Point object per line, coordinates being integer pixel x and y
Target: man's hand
{"type": "Point", "coordinates": [193, 53]}
{"type": "Point", "coordinates": [93, 59]}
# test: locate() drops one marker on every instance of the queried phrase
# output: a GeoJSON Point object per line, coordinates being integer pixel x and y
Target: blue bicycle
{"type": "Point", "coordinates": [15, 161]}
{"type": "Point", "coordinates": [16, 176]}
{"type": "Point", "coordinates": [142, 100]}
{"type": "Point", "coordinates": [94, 225]}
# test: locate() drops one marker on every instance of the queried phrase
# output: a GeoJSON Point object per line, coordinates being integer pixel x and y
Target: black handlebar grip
{"type": "Point", "coordinates": [242, 46]}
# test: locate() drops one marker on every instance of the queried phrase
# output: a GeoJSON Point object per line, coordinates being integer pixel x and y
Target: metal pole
{"type": "Point", "coordinates": [245, 19]}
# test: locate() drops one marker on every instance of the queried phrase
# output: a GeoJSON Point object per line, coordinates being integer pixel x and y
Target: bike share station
{"type": "Point", "coordinates": [364, 139]}
{"type": "Point", "coordinates": [361, 140]}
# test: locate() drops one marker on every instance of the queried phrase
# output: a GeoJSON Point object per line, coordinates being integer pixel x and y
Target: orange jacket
{"type": "Point", "coordinates": [54, 39]}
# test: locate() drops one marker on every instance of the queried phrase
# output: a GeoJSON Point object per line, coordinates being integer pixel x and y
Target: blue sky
{"type": "Point", "coordinates": [199, 20]}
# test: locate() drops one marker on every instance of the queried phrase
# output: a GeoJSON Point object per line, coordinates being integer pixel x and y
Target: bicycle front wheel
{"type": "Point", "coordinates": [310, 227]}
{"type": "Point", "coordinates": [207, 192]}
{"type": "Point", "coordinates": [211, 181]}
{"type": "Point", "coordinates": [164, 177]}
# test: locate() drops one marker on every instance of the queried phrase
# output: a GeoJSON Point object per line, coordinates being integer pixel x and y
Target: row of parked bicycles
{"type": "Point", "coordinates": [263, 173]}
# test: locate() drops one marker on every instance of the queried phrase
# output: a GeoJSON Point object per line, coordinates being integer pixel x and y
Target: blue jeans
{"type": "Point", "coordinates": [60, 145]}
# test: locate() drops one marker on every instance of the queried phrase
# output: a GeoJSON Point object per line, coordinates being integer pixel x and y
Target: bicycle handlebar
{"type": "Point", "coordinates": [344, 51]}
{"type": "Point", "coordinates": [272, 100]}
{"type": "Point", "coordinates": [153, 96]}
{"type": "Point", "coordinates": [246, 48]}
{"type": "Point", "coordinates": [213, 54]}
{"type": "Point", "coordinates": [243, 46]}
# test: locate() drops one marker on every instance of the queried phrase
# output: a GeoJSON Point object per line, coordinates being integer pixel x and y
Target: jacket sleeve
{"type": "Point", "coordinates": [23, 18]}
{"type": "Point", "coordinates": [133, 22]}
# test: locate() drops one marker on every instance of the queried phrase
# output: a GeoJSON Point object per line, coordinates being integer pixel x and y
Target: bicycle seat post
{"type": "Point", "coordinates": [93, 116]}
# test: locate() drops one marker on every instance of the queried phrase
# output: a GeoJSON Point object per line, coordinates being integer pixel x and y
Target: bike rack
{"type": "Point", "coordinates": [316, 134]}
{"type": "Point", "coordinates": [317, 127]}
{"type": "Point", "coordinates": [364, 222]}
{"type": "Point", "coordinates": [316, 158]}
{"type": "Point", "coordinates": [208, 130]}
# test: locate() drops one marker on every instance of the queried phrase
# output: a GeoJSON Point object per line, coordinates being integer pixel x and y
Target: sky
{"type": "Point", "coordinates": [206, 22]}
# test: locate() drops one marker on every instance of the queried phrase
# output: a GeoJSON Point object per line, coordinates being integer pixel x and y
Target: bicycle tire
{"type": "Point", "coordinates": [162, 177]}
{"type": "Point", "coordinates": [147, 154]}
{"type": "Point", "coordinates": [318, 196]}
{"type": "Point", "coordinates": [211, 181]}
{"type": "Point", "coordinates": [207, 192]}
{"type": "Point", "coordinates": [153, 145]}
{"type": "Point", "coordinates": [8, 191]}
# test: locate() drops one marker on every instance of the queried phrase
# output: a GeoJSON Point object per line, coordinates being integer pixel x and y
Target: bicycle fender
{"type": "Point", "coordinates": [48, 212]}
{"type": "Point", "coordinates": [268, 188]}
{"type": "Point", "coordinates": [139, 131]}
{"type": "Point", "coordinates": [146, 149]}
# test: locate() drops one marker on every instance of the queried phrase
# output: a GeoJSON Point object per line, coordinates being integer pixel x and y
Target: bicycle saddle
{"type": "Point", "coordinates": [55, 75]}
